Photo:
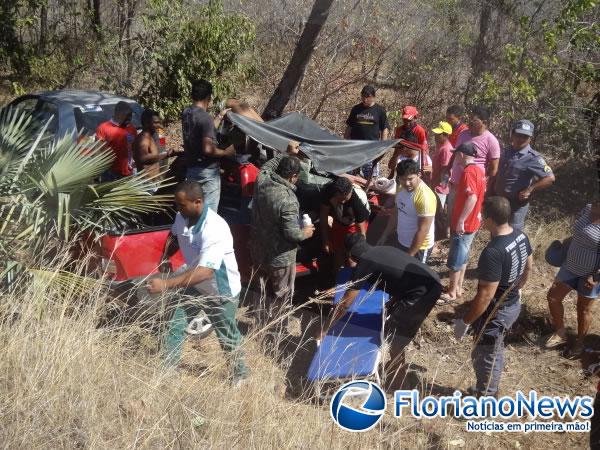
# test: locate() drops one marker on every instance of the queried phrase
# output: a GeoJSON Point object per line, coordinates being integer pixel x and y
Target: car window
{"type": "Point", "coordinates": [41, 111]}
{"type": "Point", "coordinates": [44, 112]}
{"type": "Point", "coordinates": [26, 105]}
{"type": "Point", "coordinates": [88, 117]}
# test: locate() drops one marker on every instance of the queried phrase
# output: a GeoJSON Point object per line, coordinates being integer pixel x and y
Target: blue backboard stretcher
{"type": "Point", "coordinates": [352, 346]}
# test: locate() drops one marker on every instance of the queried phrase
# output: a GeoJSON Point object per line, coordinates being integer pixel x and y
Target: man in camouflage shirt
{"type": "Point", "coordinates": [276, 229]}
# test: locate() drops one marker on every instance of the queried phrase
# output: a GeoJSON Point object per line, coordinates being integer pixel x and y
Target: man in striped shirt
{"type": "Point", "coordinates": [579, 272]}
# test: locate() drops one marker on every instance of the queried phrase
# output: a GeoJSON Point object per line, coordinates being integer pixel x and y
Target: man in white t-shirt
{"type": "Point", "coordinates": [211, 274]}
{"type": "Point", "coordinates": [415, 210]}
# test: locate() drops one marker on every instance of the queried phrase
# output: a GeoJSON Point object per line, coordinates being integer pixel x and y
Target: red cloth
{"type": "Point", "coordinates": [456, 133]}
{"type": "Point", "coordinates": [338, 233]}
{"type": "Point", "coordinates": [471, 182]}
{"type": "Point", "coordinates": [417, 131]}
{"type": "Point", "coordinates": [119, 140]}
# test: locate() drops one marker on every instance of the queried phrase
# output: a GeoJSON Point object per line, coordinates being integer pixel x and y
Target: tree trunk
{"type": "Point", "coordinates": [300, 58]}
{"type": "Point", "coordinates": [131, 9]}
{"type": "Point", "coordinates": [480, 52]}
{"type": "Point", "coordinates": [96, 20]}
{"type": "Point", "coordinates": [43, 29]}
{"type": "Point", "coordinates": [479, 57]}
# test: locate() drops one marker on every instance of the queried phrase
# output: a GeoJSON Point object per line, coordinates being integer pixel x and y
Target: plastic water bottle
{"type": "Point", "coordinates": [306, 220]}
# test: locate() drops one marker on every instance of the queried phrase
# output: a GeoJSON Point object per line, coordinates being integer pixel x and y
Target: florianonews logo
{"type": "Point", "coordinates": [360, 405]}
{"type": "Point", "coordinates": [367, 414]}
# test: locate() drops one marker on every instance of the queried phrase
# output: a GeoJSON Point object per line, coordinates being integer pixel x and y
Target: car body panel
{"type": "Point", "coordinates": [137, 254]}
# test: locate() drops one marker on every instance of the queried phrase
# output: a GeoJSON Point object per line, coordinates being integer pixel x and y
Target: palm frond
{"type": "Point", "coordinates": [21, 219]}
{"type": "Point", "coordinates": [16, 135]}
{"type": "Point", "coordinates": [66, 282]}
{"type": "Point", "coordinates": [48, 191]}
{"type": "Point", "coordinates": [11, 271]}
{"type": "Point", "coordinates": [121, 201]}
{"type": "Point", "coordinates": [66, 166]}
{"type": "Point", "coordinates": [16, 131]}
{"type": "Point", "coordinates": [26, 158]}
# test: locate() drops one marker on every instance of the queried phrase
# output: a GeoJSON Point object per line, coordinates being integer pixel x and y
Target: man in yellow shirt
{"type": "Point", "coordinates": [414, 220]}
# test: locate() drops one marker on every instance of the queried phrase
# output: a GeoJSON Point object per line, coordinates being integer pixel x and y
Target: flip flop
{"type": "Point", "coordinates": [445, 299]}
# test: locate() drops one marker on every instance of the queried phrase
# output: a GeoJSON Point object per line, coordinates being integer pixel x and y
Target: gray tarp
{"type": "Point", "coordinates": [328, 152]}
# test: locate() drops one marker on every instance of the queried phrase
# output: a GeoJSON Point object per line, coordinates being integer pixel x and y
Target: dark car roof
{"type": "Point", "coordinates": [81, 98]}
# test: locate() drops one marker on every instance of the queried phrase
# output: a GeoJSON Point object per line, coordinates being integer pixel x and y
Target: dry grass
{"type": "Point", "coordinates": [67, 383]}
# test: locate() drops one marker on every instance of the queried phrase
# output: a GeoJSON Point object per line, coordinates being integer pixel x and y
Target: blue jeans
{"type": "Point", "coordinates": [210, 180]}
{"type": "Point", "coordinates": [577, 283]}
{"type": "Point", "coordinates": [458, 255]}
{"type": "Point", "coordinates": [488, 355]}
{"type": "Point", "coordinates": [517, 216]}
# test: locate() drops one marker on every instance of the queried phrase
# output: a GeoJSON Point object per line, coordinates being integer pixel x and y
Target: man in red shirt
{"type": "Point", "coordinates": [454, 116]}
{"type": "Point", "coordinates": [466, 218]}
{"type": "Point", "coordinates": [119, 134]}
{"type": "Point", "coordinates": [410, 130]}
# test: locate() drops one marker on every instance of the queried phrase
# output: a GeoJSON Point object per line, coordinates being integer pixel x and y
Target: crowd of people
{"type": "Point", "coordinates": [465, 183]}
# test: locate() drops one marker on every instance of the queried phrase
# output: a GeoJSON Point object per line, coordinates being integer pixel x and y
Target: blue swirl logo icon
{"type": "Point", "coordinates": [362, 417]}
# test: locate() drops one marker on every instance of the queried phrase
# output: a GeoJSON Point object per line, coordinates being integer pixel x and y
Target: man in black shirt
{"type": "Point", "coordinates": [200, 144]}
{"type": "Point", "coordinates": [504, 266]}
{"type": "Point", "coordinates": [368, 122]}
{"type": "Point", "coordinates": [412, 286]}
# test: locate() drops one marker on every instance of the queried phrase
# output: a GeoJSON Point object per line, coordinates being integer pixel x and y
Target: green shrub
{"type": "Point", "coordinates": [182, 47]}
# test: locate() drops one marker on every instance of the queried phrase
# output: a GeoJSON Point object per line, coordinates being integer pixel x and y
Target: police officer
{"type": "Point", "coordinates": [521, 172]}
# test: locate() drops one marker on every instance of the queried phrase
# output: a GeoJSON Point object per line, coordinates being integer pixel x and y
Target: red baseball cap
{"type": "Point", "coordinates": [409, 112]}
